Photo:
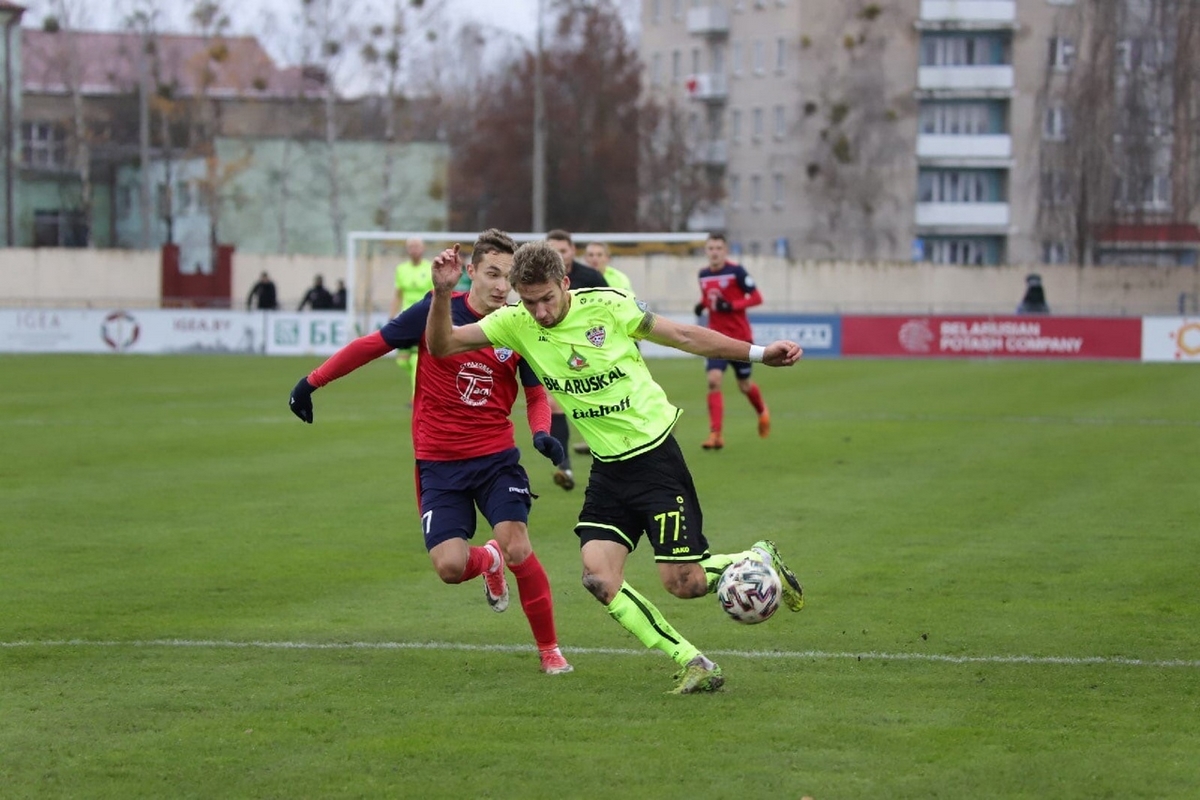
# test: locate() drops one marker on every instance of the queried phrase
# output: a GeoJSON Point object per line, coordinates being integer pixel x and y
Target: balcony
{"type": "Point", "coordinates": [969, 150]}
{"type": "Point", "coordinates": [708, 21]}
{"type": "Point", "coordinates": [964, 217]}
{"type": "Point", "coordinates": [976, 81]}
{"type": "Point", "coordinates": [709, 219]}
{"type": "Point", "coordinates": [713, 153]}
{"type": "Point", "coordinates": [967, 14]}
{"type": "Point", "coordinates": [708, 87]}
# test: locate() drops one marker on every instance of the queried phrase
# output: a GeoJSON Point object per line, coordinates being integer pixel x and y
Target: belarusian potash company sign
{"type": "Point", "coordinates": [997, 337]}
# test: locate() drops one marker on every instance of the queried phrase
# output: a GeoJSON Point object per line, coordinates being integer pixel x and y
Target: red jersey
{"type": "Point", "coordinates": [735, 285]}
{"type": "Point", "coordinates": [462, 402]}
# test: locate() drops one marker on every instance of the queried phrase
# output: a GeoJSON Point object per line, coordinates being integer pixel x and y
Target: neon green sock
{"type": "Point", "coordinates": [716, 563]}
{"type": "Point", "coordinates": [638, 615]}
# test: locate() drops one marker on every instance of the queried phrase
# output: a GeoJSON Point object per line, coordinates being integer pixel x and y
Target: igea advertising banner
{"type": "Point", "coordinates": [996, 337]}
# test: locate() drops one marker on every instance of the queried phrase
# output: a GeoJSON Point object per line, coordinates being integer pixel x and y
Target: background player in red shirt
{"type": "Point", "coordinates": [457, 471]}
{"type": "Point", "coordinates": [726, 291]}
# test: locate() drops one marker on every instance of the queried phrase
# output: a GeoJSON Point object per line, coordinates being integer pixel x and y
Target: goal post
{"type": "Point", "coordinates": [372, 256]}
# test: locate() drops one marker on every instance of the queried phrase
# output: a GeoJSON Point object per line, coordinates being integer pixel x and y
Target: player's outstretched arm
{"type": "Point", "coordinates": [711, 344]}
{"type": "Point", "coordinates": [441, 335]}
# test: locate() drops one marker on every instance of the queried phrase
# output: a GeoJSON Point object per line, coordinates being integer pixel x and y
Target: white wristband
{"type": "Point", "coordinates": [756, 352]}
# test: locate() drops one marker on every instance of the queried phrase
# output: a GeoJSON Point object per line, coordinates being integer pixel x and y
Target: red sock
{"type": "Point", "coordinates": [716, 410]}
{"type": "Point", "coordinates": [479, 561]}
{"type": "Point", "coordinates": [756, 400]}
{"type": "Point", "coordinates": [534, 588]}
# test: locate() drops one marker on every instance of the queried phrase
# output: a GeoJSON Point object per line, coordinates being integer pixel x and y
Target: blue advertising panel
{"type": "Point", "coordinates": [819, 334]}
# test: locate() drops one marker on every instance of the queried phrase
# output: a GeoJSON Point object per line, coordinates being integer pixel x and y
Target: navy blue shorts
{"type": "Point", "coordinates": [450, 491]}
{"type": "Point", "coordinates": [740, 368]}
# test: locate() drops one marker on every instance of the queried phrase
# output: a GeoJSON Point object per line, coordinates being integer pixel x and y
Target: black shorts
{"type": "Point", "coordinates": [651, 494]}
{"type": "Point", "coordinates": [740, 368]}
{"type": "Point", "coordinates": [450, 491]}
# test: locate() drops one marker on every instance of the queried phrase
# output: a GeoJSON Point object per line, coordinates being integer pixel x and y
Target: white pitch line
{"type": "Point", "coordinates": [506, 648]}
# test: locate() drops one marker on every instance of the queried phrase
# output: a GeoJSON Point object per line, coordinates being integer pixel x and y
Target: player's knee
{"type": "Point", "coordinates": [598, 587]}
{"type": "Point", "coordinates": [685, 583]}
{"type": "Point", "coordinates": [714, 385]}
{"type": "Point", "coordinates": [450, 570]}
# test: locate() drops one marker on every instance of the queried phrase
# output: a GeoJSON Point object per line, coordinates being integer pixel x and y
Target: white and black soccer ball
{"type": "Point", "coordinates": [749, 591]}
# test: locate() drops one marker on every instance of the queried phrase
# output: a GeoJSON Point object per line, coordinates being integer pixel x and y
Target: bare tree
{"type": "Point", "coordinates": [328, 35]}
{"type": "Point", "coordinates": [673, 183]}
{"type": "Point", "coordinates": [859, 138]}
{"type": "Point", "coordinates": [67, 18]}
{"type": "Point", "coordinates": [1123, 108]}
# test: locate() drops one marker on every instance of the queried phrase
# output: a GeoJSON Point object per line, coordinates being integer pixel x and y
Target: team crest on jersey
{"type": "Point", "coordinates": [596, 336]}
{"type": "Point", "coordinates": [503, 354]}
{"type": "Point", "coordinates": [576, 361]}
{"type": "Point", "coordinates": [474, 383]}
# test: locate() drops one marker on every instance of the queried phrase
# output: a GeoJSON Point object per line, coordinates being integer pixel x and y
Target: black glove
{"type": "Point", "coordinates": [550, 447]}
{"type": "Point", "coordinates": [722, 304]}
{"type": "Point", "coordinates": [301, 400]}
{"type": "Point", "coordinates": [699, 309]}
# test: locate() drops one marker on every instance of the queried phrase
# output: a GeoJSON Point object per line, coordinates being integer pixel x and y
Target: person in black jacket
{"type": "Point", "coordinates": [318, 297]}
{"type": "Point", "coordinates": [264, 293]}
{"type": "Point", "coordinates": [1034, 301]}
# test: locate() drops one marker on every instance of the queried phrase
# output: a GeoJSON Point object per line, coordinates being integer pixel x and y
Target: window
{"type": "Point", "coordinates": [755, 191]}
{"type": "Point", "coordinates": [777, 190]}
{"type": "Point", "coordinates": [676, 9]}
{"type": "Point", "coordinates": [718, 60]}
{"type": "Point", "coordinates": [961, 119]}
{"type": "Point", "coordinates": [735, 124]}
{"type": "Point", "coordinates": [735, 191]}
{"type": "Point", "coordinates": [656, 11]}
{"type": "Point", "coordinates": [962, 50]}
{"type": "Point", "coordinates": [759, 57]}
{"type": "Point", "coordinates": [183, 196]}
{"type": "Point", "coordinates": [965, 252]}
{"type": "Point", "coordinates": [1062, 53]}
{"type": "Point", "coordinates": [1056, 252]}
{"type": "Point", "coordinates": [780, 122]}
{"type": "Point", "coordinates": [780, 54]}
{"type": "Point", "coordinates": [656, 69]}
{"type": "Point", "coordinates": [43, 145]}
{"type": "Point", "coordinates": [737, 58]}
{"type": "Point", "coordinates": [1055, 127]}
{"type": "Point", "coordinates": [1148, 193]}
{"type": "Point", "coordinates": [956, 186]}
{"type": "Point", "coordinates": [59, 228]}
{"type": "Point", "coordinates": [695, 60]}
{"type": "Point", "coordinates": [756, 129]}
{"type": "Point", "coordinates": [676, 66]}
{"type": "Point", "coordinates": [1053, 188]}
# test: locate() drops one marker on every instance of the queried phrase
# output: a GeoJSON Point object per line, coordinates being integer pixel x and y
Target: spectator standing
{"type": "Point", "coordinates": [1034, 301]}
{"type": "Point", "coordinates": [339, 296]}
{"type": "Point", "coordinates": [317, 297]}
{"type": "Point", "coordinates": [263, 293]}
{"type": "Point", "coordinates": [726, 291]}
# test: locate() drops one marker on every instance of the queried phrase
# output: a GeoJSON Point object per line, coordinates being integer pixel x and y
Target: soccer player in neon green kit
{"type": "Point", "coordinates": [583, 346]}
{"type": "Point", "coordinates": [412, 284]}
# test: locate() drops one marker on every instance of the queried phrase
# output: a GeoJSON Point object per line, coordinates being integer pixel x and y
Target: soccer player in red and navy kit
{"type": "Point", "coordinates": [459, 470]}
{"type": "Point", "coordinates": [726, 291]}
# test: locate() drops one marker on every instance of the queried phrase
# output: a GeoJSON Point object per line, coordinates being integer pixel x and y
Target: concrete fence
{"type": "Point", "coordinates": [56, 278]}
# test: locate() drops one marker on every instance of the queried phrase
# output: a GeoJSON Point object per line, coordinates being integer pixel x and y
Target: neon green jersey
{"type": "Point", "coordinates": [591, 364]}
{"type": "Point", "coordinates": [414, 280]}
{"type": "Point", "coordinates": [617, 279]}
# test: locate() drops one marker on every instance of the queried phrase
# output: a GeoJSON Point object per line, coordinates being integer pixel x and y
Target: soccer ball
{"type": "Point", "coordinates": [749, 591]}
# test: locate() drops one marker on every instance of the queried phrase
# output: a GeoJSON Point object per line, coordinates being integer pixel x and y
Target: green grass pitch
{"type": "Point", "coordinates": [202, 597]}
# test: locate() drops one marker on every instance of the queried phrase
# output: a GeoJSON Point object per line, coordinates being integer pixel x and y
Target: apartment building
{"type": "Point", "coordinates": [887, 130]}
